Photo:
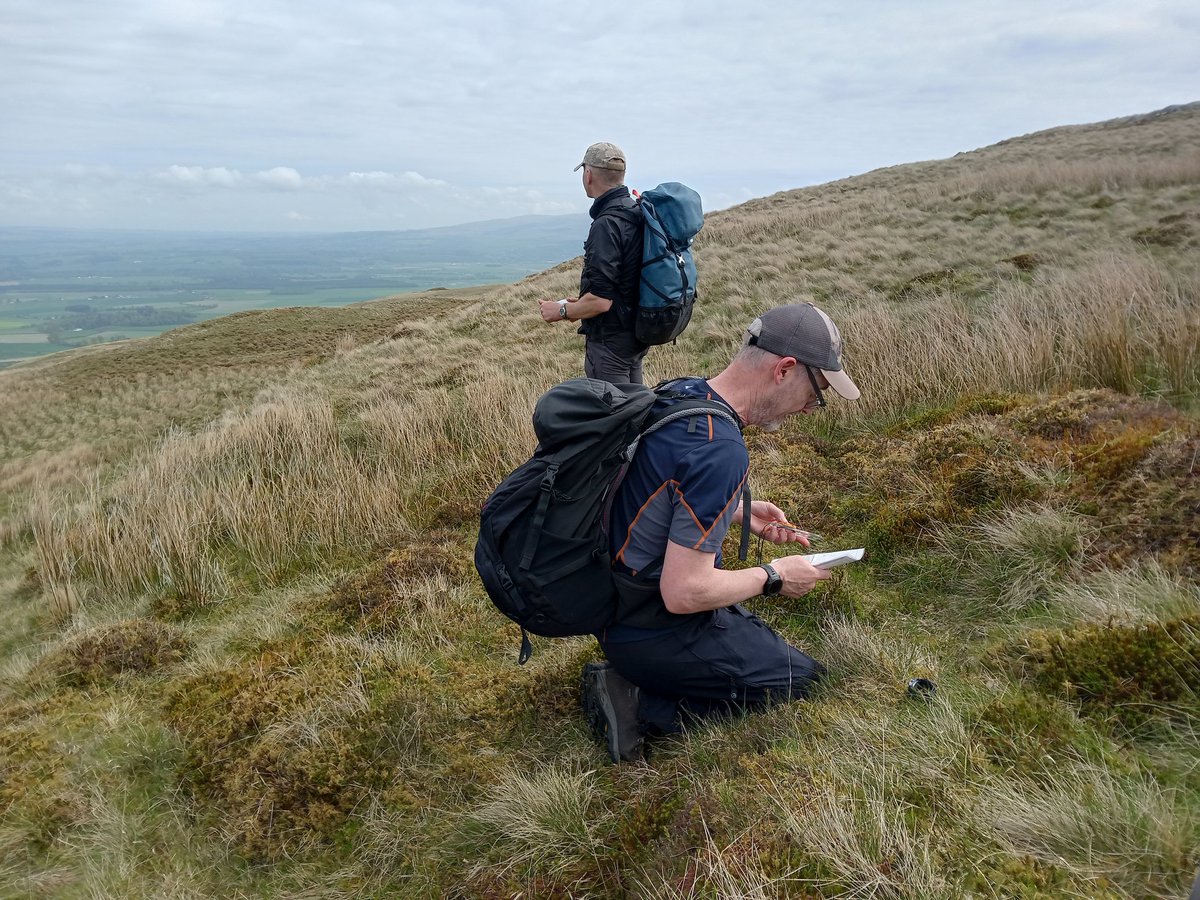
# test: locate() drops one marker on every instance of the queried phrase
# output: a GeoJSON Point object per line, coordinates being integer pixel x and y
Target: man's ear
{"type": "Point", "coordinates": [784, 367]}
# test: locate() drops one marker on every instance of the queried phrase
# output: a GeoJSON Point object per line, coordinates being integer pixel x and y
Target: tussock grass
{"type": "Point", "coordinates": [1012, 561]}
{"type": "Point", "coordinates": [727, 871]}
{"type": "Point", "coordinates": [867, 844]}
{"type": "Point", "coordinates": [1122, 323]}
{"type": "Point", "coordinates": [546, 820]}
{"type": "Point", "coordinates": [1146, 592]}
{"type": "Point", "coordinates": [1101, 825]}
{"type": "Point", "coordinates": [876, 664]}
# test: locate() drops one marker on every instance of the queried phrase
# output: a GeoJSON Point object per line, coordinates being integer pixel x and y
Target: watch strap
{"type": "Point", "coordinates": [774, 582]}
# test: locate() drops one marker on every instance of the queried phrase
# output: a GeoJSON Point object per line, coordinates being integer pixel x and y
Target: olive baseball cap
{"type": "Point", "coordinates": [603, 156]}
{"type": "Point", "coordinates": [806, 334]}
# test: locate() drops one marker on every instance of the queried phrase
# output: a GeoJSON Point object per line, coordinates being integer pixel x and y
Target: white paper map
{"type": "Point", "coordinates": [834, 558]}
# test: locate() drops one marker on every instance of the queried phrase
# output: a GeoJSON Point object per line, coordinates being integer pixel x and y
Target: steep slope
{"type": "Point", "coordinates": [244, 649]}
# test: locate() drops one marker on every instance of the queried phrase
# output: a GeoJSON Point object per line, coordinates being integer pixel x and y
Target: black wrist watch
{"type": "Point", "coordinates": [774, 583]}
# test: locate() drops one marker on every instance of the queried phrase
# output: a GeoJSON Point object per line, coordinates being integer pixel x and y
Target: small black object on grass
{"type": "Point", "coordinates": [921, 689]}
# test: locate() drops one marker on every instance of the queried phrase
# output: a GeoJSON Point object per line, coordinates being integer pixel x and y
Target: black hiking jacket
{"type": "Point", "coordinates": [612, 261]}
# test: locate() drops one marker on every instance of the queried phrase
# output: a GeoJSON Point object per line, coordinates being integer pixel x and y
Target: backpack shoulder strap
{"type": "Point", "coordinates": [719, 407]}
{"type": "Point", "coordinates": [686, 406]}
{"type": "Point", "coordinates": [633, 214]}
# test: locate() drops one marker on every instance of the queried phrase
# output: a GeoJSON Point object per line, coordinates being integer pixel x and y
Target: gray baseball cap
{"type": "Point", "coordinates": [806, 334]}
{"type": "Point", "coordinates": [603, 156]}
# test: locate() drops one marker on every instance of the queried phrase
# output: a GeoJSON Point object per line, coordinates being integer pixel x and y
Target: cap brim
{"type": "Point", "coordinates": [842, 385]}
{"type": "Point", "coordinates": [578, 167]}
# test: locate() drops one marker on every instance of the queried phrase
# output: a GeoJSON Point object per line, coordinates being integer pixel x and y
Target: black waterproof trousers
{"type": "Point", "coordinates": [720, 663]}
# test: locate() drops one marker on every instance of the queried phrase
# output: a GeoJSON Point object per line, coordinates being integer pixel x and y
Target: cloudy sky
{"type": "Point", "coordinates": [382, 114]}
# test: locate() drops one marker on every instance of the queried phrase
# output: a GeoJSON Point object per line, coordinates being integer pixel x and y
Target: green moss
{"type": "Point", "coordinates": [987, 405]}
{"type": "Point", "coordinates": [36, 795]}
{"type": "Point", "coordinates": [1027, 732]}
{"type": "Point", "coordinates": [1122, 673]}
{"type": "Point", "coordinates": [1023, 878]}
{"type": "Point", "coordinates": [276, 745]}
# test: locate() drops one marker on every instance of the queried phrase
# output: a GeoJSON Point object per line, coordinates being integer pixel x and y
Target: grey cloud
{"type": "Point", "coordinates": [334, 108]}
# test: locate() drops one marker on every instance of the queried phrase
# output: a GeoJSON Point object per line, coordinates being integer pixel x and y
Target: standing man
{"type": "Point", "coordinates": [612, 267]}
{"type": "Point", "coordinates": [681, 646]}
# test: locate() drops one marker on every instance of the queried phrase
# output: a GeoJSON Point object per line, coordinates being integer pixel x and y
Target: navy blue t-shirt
{"type": "Point", "coordinates": [683, 485]}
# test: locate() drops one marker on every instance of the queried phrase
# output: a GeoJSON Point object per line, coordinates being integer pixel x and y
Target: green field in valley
{"type": "Point", "coordinates": [62, 289]}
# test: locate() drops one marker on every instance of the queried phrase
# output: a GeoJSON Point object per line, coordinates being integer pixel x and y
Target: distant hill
{"type": "Point", "coordinates": [257, 259]}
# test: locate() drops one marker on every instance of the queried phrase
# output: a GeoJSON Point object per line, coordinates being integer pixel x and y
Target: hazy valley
{"type": "Point", "coordinates": [62, 288]}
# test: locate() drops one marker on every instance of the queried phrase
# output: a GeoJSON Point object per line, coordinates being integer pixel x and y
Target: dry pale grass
{"type": "Point", "coordinates": [1113, 174]}
{"type": "Point", "coordinates": [1123, 322]}
{"type": "Point", "coordinates": [1147, 592]}
{"type": "Point", "coordinates": [873, 662]}
{"type": "Point", "coordinates": [1101, 825]}
{"type": "Point", "coordinates": [544, 820]}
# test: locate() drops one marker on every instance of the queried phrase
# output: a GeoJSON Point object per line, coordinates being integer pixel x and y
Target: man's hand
{"type": "Point", "coordinates": [768, 522]}
{"type": "Point", "coordinates": [550, 310]}
{"type": "Point", "coordinates": [798, 574]}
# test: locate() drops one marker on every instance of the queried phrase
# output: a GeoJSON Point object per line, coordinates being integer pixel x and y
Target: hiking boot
{"type": "Point", "coordinates": [610, 704]}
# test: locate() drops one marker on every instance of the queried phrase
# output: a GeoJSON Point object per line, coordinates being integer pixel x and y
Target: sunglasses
{"type": "Point", "coordinates": [812, 377]}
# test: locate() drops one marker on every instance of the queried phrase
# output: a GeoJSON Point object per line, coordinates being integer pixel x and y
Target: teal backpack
{"type": "Point", "coordinates": [673, 217]}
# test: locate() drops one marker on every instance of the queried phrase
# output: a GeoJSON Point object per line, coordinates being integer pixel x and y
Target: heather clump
{"type": "Point", "coordinates": [134, 647]}
{"type": "Point", "coordinates": [1099, 434]}
{"type": "Point", "coordinates": [1154, 511]}
{"type": "Point", "coordinates": [902, 488]}
{"type": "Point", "coordinates": [380, 593]}
{"type": "Point", "coordinates": [1170, 231]}
{"type": "Point", "coordinates": [950, 465]}
{"type": "Point", "coordinates": [288, 743]}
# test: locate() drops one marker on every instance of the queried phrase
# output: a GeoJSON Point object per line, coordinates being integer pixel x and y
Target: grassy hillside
{"type": "Point", "coordinates": [244, 651]}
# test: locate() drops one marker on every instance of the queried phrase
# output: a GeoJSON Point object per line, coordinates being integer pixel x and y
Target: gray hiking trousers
{"type": "Point", "coordinates": [616, 358]}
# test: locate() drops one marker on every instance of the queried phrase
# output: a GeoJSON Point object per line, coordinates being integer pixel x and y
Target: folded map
{"type": "Point", "coordinates": [834, 558]}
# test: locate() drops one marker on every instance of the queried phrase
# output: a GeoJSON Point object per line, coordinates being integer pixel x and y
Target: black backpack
{"type": "Point", "coordinates": [542, 551]}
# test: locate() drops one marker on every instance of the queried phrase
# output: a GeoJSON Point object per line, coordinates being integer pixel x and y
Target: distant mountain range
{"type": "Point", "coordinates": [502, 247]}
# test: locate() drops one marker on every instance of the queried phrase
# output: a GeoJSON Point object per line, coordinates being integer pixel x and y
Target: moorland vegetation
{"type": "Point", "coordinates": [244, 652]}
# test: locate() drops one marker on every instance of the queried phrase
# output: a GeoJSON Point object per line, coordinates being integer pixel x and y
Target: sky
{"type": "Point", "coordinates": [365, 115]}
